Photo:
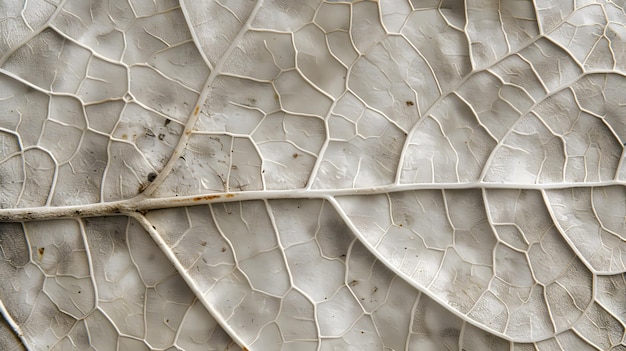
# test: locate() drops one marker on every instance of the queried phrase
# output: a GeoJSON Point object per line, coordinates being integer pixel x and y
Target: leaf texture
{"type": "Point", "coordinates": [312, 175]}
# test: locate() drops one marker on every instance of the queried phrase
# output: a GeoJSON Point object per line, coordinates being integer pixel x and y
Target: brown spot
{"type": "Point", "coordinates": [410, 103]}
{"type": "Point", "coordinates": [195, 112]}
{"type": "Point", "coordinates": [354, 283]}
{"type": "Point", "coordinates": [188, 131]}
{"type": "Point", "coordinates": [295, 155]}
{"type": "Point", "coordinates": [245, 349]}
{"type": "Point", "coordinates": [203, 243]}
{"type": "Point", "coordinates": [124, 136]}
{"type": "Point", "coordinates": [230, 195]}
{"type": "Point", "coordinates": [41, 251]}
{"type": "Point", "coordinates": [223, 249]}
{"type": "Point", "coordinates": [207, 197]}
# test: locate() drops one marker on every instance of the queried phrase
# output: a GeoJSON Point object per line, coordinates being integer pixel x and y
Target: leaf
{"type": "Point", "coordinates": [312, 175]}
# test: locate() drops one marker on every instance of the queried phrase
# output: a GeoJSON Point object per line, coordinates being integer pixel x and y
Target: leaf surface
{"type": "Point", "coordinates": [312, 175]}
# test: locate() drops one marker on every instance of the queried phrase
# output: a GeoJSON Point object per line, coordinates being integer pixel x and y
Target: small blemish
{"type": "Point", "coordinates": [295, 155]}
{"type": "Point", "coordinates": [151, 176]}
{"type": "Point", "coordinates": [41, 251]}
{"type": "Point", "coordinates": [410, 103]}
{"type": "Point", "coordinates": [207, 197]}
{"type": "Point", "coordinates": [167, 121]}
{"type": "Point", "coordinates": [195, 112]}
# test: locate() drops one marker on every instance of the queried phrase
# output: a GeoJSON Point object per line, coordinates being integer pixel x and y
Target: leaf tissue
{"type": "Point", "coordinates": [312, 175]}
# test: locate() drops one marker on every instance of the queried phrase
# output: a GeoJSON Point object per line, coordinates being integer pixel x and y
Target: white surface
{"type": "Point", "coordinates": [306, 175]}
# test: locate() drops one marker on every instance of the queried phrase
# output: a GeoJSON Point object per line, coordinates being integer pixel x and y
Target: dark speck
{"type": "Point", "coordinates": [152, 176]}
